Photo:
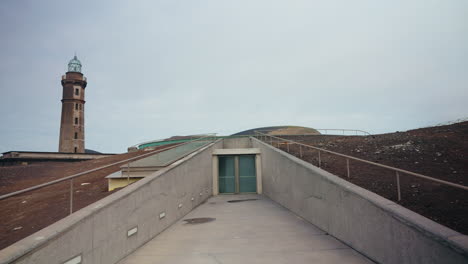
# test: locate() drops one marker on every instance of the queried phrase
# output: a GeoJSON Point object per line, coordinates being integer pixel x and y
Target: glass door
{"type": "Point", "coordinates": [237, 174]}
{"type": "Point", "coordinates": [227, 175]}
{"type": "Point", "coordinates": [247, 174]}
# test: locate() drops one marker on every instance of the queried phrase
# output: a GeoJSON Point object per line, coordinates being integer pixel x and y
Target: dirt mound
{"type": "Point", "coordinates": [280, 130]}
{"type": "Point", "coordinates": [294, 130]}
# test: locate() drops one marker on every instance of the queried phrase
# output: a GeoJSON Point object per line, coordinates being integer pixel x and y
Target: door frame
{"type": "Point", "coordinates": [247, 151]}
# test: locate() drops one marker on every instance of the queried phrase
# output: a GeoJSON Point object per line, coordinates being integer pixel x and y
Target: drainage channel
{"type": "Point", "coordinates": [199, 220]}
{"type": "Point", "coordinates": [241, 200]}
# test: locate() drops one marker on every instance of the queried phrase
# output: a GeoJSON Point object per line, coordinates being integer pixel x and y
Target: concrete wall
{"type": "Point", "coordinates": [237, 143]}
{"type": "Point", "coordinates": [378, 228]}
{"type": "Point", "coordinates": [98, 233]}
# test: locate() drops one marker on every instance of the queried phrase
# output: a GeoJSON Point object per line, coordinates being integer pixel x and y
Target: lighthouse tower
{"type": "Point", "coordinates": [72, 138]}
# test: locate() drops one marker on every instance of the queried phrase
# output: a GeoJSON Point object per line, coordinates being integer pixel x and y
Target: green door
{"type": "Point", "coordinates": [237, 174]}
{"type": "Point", "coordinates": [227, 175]}
{"type": "Point", "coordinates": [247, 174]}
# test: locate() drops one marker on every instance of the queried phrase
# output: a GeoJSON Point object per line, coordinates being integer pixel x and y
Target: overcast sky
{"type": "Point", "coordinates": [161, 68]}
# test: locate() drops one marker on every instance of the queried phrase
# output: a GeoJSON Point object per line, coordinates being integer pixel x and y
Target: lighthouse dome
{"type": "Point", "coordinates": [74, 65]}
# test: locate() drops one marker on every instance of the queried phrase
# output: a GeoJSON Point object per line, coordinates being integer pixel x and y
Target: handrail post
{"type": "Point", "coordinates": [128, 173]}
{"type": "Point", "coordinates": [300, 150]}
{"type": "Point", "coordinates": [71, 196]}
{"type": "Point", "coordinates": [287, 146]}
{"type": "Point", "coordinates": [347, 167]}
{"type": "Point", "coordinates": [398, 185]}
{"type": "Point", "coordinates": [271, 140]}
{"type": "Point", "coordinates": [320, 160]}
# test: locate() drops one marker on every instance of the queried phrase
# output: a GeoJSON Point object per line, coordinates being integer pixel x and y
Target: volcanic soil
{"type": "Point", "coordinates": [25, 214]}
{"type": "Point", "coordinates": [440, 152]}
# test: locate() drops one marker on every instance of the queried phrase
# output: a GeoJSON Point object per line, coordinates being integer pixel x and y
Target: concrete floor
{"type": "Point", "coordinates": [258, 231]}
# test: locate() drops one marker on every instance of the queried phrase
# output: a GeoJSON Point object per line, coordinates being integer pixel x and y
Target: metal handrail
{"type": "Point", "coordinates": [326, 129]}
{"type": "Point", "coordinates": [331, 129]}
{"type": "Point", "coordinates": [343, 130]}
{"type": "Point", "coordinates": [71, 177]}
{"type": "Point", "coordinates": [397, 170]}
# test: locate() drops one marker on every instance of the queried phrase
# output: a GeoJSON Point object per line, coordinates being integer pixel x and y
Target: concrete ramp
{"type": "Point", "coordinates": [249, 229]}
{"type": "Point", "coordinates": [144, 222]}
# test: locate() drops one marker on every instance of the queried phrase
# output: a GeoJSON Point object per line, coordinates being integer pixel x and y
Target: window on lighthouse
{"type": "Point", "coordinates": [76, 120]}
{"type": "Point", "coordinates": [77, 91]}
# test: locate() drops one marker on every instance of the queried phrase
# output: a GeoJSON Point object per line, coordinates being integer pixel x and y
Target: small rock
{"type": "Point", "coordinates": [438, 154]}
{"type": "Point", "coordinates": [85, 183]}
{"type": "Point", "coordinates": [23, 202]}
{"type": "Point", "coordinates": [416, 162]}
{"type": "Point", "coordinates": [17, 228]}
{"type": "Point", "coordinates": [454, 172]}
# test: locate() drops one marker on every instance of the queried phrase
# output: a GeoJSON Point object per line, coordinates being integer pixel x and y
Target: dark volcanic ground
{"type": "Point", "coordinates": [25, 214]}
{"type": "Point", "coordinates": [440, 152]}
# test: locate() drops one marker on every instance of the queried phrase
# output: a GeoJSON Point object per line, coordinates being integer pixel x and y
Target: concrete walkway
{"type": "Point", "coordinates": [256, 231]}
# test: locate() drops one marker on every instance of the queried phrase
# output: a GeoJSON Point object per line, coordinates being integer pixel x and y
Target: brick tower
{"type": "Point", "coordinates": [72, 121]}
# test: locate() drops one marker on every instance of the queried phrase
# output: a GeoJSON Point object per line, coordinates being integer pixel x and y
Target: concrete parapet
{"type": "Point", "coordinates": [112, 228]}
{"type": "Point", "coordinates": [378, 228]}
{"type": "Point", "coordinates": [237, 143]}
